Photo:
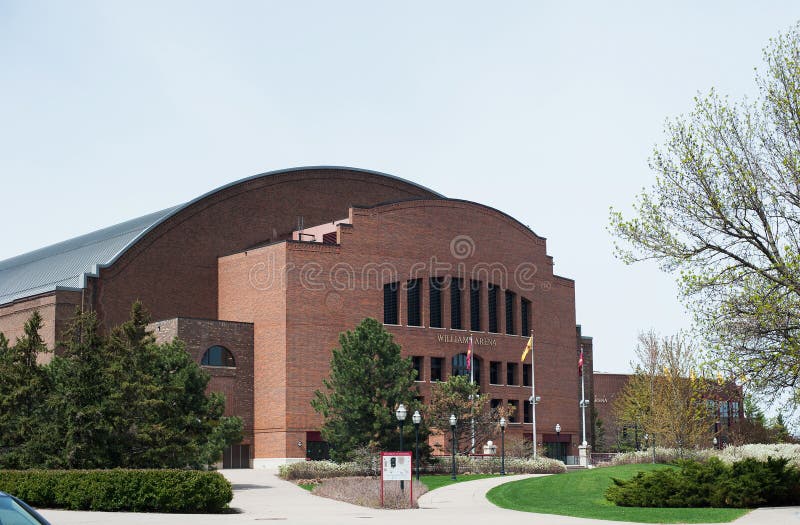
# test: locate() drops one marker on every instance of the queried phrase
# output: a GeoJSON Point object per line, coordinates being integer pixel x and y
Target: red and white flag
{"type": "Point", "coordinates": [580, 364]}
{"type": "Point", "coordinates": [469, 354]}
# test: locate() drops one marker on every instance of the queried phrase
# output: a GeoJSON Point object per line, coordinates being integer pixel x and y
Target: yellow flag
{"type": "Point", "coordinates": [528, 348]}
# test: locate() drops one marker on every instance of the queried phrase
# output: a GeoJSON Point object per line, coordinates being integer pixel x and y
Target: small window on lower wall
{"type": "Point", "coordinates": [526, 375]}
{"type": "Point", "coordinates": [528, 416]}
{"type": "Point", "coordinates": [494, 372]}
{"type": "Point", "coordinates": [436, 368]}
{"type": "Point", "coordinates": [511, 374]}
{"type": "Point", "coordinates": [218, 355]}
{"type": "Point", "coordinates": [495, 405]}
{"type": "Point", "coordinates": [416, 362]}
{"type": "Point", "coordinates": [513, 406]}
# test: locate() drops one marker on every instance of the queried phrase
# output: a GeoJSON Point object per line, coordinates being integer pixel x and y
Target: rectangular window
{"type": "Point", "coordinates": [492, 294]}
{"type": "Point", "coordinates": [528, 416]}
{"type": "Point", "coordinates": [511, 373]}
{"type": "Point", "coordinates": [526, 375]}
{"type": "Point", "coordinates": [435, 301]}
{"type": "Point", "coordinates": [510, 300]}
{"type": "Point", "coordinates": [390, 304]}
{"type": "Point", "coordinates": [413, 303]}
{"type": "Point", "coordinates": [723, 409]}
{"type": "Point", "coordinates": [436, 368]}
{"type": "Point", "coordinates": [525, 316]}
{"type": "Point", "coordinates": [475, 305]}
{"type": "Point", "coordinates": [513, 411]}
{"type": "Point", "coordinates": [456, 285]}
{"type": "Point", "coordinates": [416, 362]}
{"type": "Point", "coordinates": [496, 404]}
{"type": "Point", "coordinates": [735, 409]}
{"type": "Point", "coordinates": [494, 372]}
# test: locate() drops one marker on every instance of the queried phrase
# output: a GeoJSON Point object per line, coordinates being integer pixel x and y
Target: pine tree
{"type": "Point", "coordinates": [23, 390]}
{"type": "Point", "coordinates": [368, 380]}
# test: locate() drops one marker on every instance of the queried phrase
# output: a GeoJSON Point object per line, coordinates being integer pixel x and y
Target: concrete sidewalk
{"type": "Point", "coordinates": [260, 495]}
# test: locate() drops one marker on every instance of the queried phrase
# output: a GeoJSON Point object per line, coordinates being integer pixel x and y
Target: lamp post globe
{"type": "Point", "coordinates": [416, 419]}
{"type": "Point", "coordinates": [502, 446]}
{"type": "Point", "coordinates": [401, 413]}
{"type": "Point", "coordinates": [715, 441]}
{"type": "Point", "coordinates": [453, 448]}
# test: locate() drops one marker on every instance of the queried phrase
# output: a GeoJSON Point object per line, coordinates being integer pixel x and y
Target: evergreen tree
{"type": "Point", "coordinates": [23, 389]}
{"type": "Point", "coordinates": [105, 402]}
{"type": "Point", "coordinates": [368, 380]}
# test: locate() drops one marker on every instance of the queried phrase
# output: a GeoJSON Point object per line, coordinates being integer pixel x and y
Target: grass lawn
{"type": "Point", "coordinates": [581, 494]}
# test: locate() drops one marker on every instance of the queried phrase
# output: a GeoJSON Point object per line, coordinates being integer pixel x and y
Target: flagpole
{"type": "Point", "coordinates": [533, 397]}
{"type": "Point", "coordinates": [583, 404]}
{"type": "Point", "coordinates": [472, 382]}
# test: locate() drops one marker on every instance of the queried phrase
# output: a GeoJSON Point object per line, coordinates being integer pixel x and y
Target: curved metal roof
{"type": "Point", "coordinates": [65, 266]}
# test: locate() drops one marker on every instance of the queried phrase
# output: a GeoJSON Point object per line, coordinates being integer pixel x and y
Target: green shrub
{"type": "Point", "coordinates": [184, 491]}
{"type": "Point", "coordinates": [747, 483]}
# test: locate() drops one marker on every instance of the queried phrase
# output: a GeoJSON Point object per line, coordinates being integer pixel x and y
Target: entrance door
{"type": "Point", "coordinates": [236, 456]}
{"type": "Point", "coordinates": [316, 447]}
{"type": "Point", "coordinates": [556, 451]}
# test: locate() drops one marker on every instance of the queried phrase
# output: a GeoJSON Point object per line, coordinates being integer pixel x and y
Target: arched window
{"type": "Point", "coordinates": [460, 366]}
{"type": "Point", "coordinates": [218, 356]}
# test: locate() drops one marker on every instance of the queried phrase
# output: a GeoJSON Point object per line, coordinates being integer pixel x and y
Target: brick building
{"type": "Point", "coordinates": [260, 276]}
{"type": "Point", "coordinates": [725, 403]}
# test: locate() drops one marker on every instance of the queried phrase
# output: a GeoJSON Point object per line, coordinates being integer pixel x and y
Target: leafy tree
{"type": "Point", "coordinates": [23, 389]}
{"type": "Point", "coordinates": [724, 214]}
{"type": "Point", "coordinates": [368, 380]}
{"type": "Point", "coordinates": [473, 413]}
{"type": "Point", "coordinates": [663, 398]}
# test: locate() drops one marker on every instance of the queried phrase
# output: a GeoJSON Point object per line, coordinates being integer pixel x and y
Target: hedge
{"type": "Point", "coordinates": [744, 484]}
{"type": "Point", "coordinates": [183, 491]}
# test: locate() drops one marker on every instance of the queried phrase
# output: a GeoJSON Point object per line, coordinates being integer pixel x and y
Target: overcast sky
{"type": "Point", "coordinates": [110, 110]}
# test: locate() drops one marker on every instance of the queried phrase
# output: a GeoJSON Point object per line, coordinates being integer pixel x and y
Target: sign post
{"type": "Point", "coordinates": [396, 466]}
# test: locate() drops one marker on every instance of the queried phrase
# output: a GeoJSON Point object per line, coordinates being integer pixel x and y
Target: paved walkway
{"type": "Point", "coordinates": [261, 496]}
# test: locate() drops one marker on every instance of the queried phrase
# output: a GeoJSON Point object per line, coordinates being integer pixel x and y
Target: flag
{"type": "Point", "coordinates": [469, 354]}
{"type": "Point", "coordinates": [528, 348]}
{"type": "Point", "coordinates": [580, 364]}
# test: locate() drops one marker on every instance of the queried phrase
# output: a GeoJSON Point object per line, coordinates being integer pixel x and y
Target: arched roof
{"type": "Point", "coordinates": [65, 265]}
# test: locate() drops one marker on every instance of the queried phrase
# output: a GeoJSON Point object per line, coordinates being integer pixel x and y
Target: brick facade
{"type": "Point", "coordinates": [301, 295]}
{"type": "Point", "coordinates": [224, 269]}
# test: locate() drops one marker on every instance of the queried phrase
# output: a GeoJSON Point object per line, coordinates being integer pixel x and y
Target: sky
{"type": "Point", "coordinates": [547, 111]}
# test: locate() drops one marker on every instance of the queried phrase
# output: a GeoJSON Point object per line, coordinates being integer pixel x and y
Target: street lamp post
{"type": "Point", "coordinates": [401, 417]}
{"type": "Point", "coordinates": [453, 428]}
{"type": "Point", "coordinates": [417, 419]}
{"type": "Point", "coordinates": [502, 446]}
{"type": "Point", "coordinates": [715, 441]}
{"type": "Point", "coordinates": [558, 439]}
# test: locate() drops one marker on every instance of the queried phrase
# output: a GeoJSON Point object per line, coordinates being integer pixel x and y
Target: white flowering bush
{"type": "Point", "coordinates": [491, 465]}
{"type": "Point", "coordinates": [314, 470]}
{"type": "Point", "coordinates": [728, 455]}
{"type": "Point", "coordinates": [761, 452]}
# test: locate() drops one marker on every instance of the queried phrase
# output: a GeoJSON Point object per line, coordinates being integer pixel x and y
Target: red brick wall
{"type": "Point", "coordinates": [236, 383]}
{"type": "Point", "coordinates": [56, 308]}
{"type": "Point", "coordinates": [322, 290]}
{"type": "Point", "coordinates": [173, 269]}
